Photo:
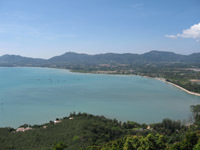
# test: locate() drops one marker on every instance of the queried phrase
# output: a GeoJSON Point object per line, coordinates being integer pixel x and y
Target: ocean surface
{"type": "Point", "coordinates": [38, 95]}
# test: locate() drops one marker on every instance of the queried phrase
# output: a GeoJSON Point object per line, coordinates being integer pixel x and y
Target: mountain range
{"type": "Point", "coordinates": [71, 58]}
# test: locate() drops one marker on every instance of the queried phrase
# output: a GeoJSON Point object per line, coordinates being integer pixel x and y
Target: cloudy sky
{"type": "Point", "coordinates": [45, 28]}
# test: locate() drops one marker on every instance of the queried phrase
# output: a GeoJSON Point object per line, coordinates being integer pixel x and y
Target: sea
{"type": "Point", "coordinates": [32, 96]}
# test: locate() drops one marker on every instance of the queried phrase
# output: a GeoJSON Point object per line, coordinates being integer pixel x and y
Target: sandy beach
{"type": "Point", "coordinates": [163, 80]}
{"type": "Point", "coordinates": [160, 79]}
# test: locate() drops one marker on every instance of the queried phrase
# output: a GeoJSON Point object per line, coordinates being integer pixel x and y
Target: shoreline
{"type": "Point", "coordinates": [156, 78]}
{"type": "Point", "coordinates": [177, 86]}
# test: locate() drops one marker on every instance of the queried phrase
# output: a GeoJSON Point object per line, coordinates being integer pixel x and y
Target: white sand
{"type": "Point", "coordinates": [163, 80]}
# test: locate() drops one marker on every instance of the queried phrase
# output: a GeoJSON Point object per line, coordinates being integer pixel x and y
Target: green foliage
{"type": "Point", "coordinates": [82, 131]}
{"type": "Point", "coordinates": [197, 146]}
{"type": "Point", "coordinates": [75, 138]}
{"type": "Point", "coordinates": [88, 132]}
{"type": "Point", "coordinates": [132, 143]}
{"type": "Point", "coordinates": [190, 141]}
{"type": "Point", "coordinates": [196, 113]}
{"type": "Point", "coordinates": [59, 146]}
{"type": "Point", "coordinates": [150, 142]}
{"type": "Point", "coordinates": [168, 126]}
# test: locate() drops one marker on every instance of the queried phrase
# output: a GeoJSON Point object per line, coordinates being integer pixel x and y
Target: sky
{"type": "Point", "coordinates": [45, 28]}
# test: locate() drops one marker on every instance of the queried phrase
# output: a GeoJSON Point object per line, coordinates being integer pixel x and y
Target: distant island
{"type": "Point", "coordinates": [180, 70]}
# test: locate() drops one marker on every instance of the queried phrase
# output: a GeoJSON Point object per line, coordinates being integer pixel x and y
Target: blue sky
{"type": "Point", "coordinates": [45, 28]}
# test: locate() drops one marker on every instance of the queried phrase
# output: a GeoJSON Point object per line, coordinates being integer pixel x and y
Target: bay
{"type": "Point", "coordinates": [38, 95]}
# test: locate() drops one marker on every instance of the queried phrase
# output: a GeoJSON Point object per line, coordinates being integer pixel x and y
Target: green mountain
{"type": "Point", "coordinates": [158, 56]}
{"type": "Point", "coordinates": [19, 60]}
{"type": "Point", "coordinates": [127, 58]}
{"type": "Point", "coordinates": [71, 58]}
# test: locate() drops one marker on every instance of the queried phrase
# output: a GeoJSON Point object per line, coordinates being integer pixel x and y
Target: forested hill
{"type": "Point", "coordinates": [71, 58]}
{"type": "Point", "coordinates": [10, 60]}
{"type": "Point", "coordinates": [126, 58]}
{"type": "Point", "coordinates": [87, 132]}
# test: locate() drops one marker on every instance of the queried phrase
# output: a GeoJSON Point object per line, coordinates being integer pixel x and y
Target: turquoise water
{"type": "Point", "coordinates": [38, 95]}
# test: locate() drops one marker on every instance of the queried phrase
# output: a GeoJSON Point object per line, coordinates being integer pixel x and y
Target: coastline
{"type": "Point", "coordinates": [130, 75]}
{"type": "Point", "coordinates": [187, 91]}
{"type": "Point", "coordinates": [157, 78]}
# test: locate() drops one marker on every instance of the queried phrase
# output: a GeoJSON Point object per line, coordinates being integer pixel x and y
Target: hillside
{"type": "Point", "coordinates": [127, 58]}
{"type": "Point", "coordinates": [88, 132]}
{"type": "Point", "coordinates": [12, 60]}
{"type": "Point", "coordinates": [71, 58]}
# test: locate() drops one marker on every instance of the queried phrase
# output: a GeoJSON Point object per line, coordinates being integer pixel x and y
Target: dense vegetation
{"type": "Point", "coordinates": [88, 132]}
{"type": "Point", "coordinates": [82, 131]}
{"type": "Point", "coordinates": [150, 142]}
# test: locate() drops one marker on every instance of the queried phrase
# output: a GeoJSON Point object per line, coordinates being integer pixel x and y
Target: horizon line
{"type": "Point", "coordinates": [101, 54]}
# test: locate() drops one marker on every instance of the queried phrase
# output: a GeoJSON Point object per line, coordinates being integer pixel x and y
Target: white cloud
{"type": "Point", "coordinates": [193, 32]}
{"type": "Point", "coordinates": [171, 36]}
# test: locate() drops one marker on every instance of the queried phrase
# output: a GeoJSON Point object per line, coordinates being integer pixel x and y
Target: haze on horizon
{"type": "Point", "coordinates": [46, 28]}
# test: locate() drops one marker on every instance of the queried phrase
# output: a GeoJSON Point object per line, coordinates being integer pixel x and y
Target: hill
{"type": "Point", "coordinates": [127, 58]}
{"type": "Point", "coordinates": [88, 132]}
{"type": "Point", "coordinates": [71, 58]}
{"type": "Point", "coordinates": [14, 60]}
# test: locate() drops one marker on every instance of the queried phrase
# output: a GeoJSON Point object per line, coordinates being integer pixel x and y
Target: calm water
{"type": "Point", "coordinates": [38, 95]}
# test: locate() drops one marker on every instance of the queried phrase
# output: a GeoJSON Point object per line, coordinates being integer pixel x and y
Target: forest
{"type": "Point", "coordinates": [82, 131]}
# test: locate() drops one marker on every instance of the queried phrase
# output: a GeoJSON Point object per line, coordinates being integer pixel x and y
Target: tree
{"type": "Point", "coordinates": [59, 146]}
{"type": "Point", "coordinates": [197, 146]}
{"type": "Point", "coordinates": [190, 141]}
{"type": "Point", "coordinates": [128, 144]}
